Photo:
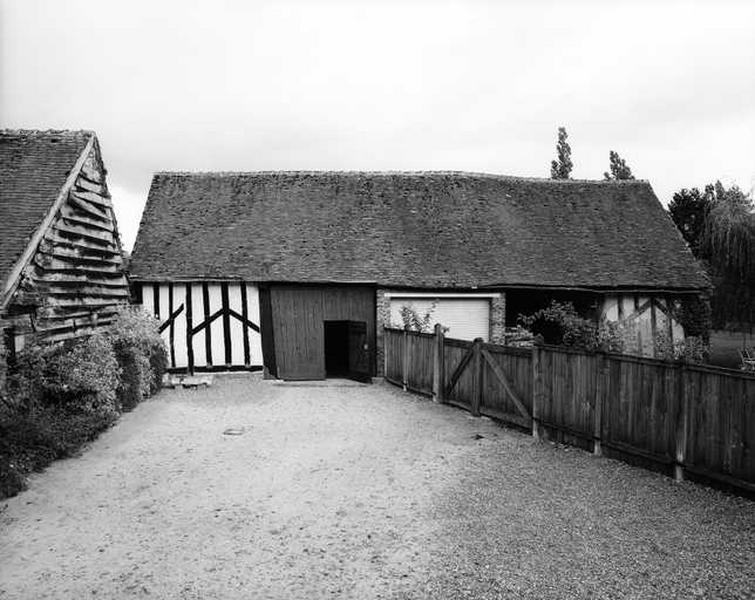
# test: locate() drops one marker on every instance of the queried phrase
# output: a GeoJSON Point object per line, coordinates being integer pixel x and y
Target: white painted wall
{"type": "Point", "coordinates": [236, 328]}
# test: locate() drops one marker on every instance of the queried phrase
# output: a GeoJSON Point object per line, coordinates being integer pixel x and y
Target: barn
{"type": "Point", "coordinates": [61, 267]}
{"type": "Point", "coordinates": [297, 272]}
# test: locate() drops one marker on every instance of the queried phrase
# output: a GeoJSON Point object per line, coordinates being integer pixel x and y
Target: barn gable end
{"type": "Point", "coordinates": [64, 274]}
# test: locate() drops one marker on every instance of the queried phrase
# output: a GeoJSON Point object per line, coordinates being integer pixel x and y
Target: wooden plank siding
{"type": "Point", "coordinates": [694, 418]}
{"type": "Point", "coordinates": [298, 316]}
{"type": "Point", "coordinates": [75, 279]}
{"type": "Point", "coordinates": [207, 325]}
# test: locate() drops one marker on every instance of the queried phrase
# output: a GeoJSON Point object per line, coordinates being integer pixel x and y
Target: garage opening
{"type": "Point", "coordinates": [346, 350]}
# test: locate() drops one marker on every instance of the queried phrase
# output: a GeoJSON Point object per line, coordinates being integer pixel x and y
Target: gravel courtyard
{"type": "Point", "coordinates": [353, 491]}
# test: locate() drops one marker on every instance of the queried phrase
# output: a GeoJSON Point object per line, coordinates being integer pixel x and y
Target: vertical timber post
{"type": "Point", "coordinates": [537, 381]}
{"type": "Point", "coordinates": [439, 377]}
{"type": "Point", "coordinates": [601, 386]}
{"type": "Point", "coordinates": [477, 365]}
{"type": "Point", "coordinates": [682, 424]}
{"type": "Point", "coordinates": [405, 361]}
{"type": "Point", "coordinates": [189, 334]}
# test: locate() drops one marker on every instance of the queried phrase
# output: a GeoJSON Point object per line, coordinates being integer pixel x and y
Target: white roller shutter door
{"type": "Point", "coordinates": [465, 318]}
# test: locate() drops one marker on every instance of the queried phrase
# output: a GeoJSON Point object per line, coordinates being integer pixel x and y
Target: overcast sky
{"type": "Point", "coordinates": [387, 85]}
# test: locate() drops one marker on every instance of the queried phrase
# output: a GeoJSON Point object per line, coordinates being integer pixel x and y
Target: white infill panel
{"type": "Point", "coordinates": [237, 328]}
{"type": "Point", "coordinates": [179, 326]}
{"type": "Point", "coordinates": [465, 318]}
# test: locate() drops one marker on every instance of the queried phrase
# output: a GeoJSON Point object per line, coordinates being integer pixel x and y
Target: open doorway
{"type": "Point", "coordinates": [336, 348]}
{"type": "Point", "coordinates": [346, 350]}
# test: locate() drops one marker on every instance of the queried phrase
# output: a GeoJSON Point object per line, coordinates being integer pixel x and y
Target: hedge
{"type": "Point", "coordinates": [60, 396]}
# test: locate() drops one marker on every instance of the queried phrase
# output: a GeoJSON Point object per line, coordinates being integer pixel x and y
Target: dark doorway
{"type": "Point", "coordinates": [346, 350]}
{"type": "Point", "coordinates": [336, 348]}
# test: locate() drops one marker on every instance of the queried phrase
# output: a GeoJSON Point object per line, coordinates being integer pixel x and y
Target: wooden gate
{"type": "Point", "coordinates": [492, 392]}
{"type": "Point", "coordinates": [484, 379]}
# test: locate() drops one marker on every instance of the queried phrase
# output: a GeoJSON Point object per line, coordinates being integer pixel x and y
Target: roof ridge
{"type": "Point", "coordinates": [356, 173]}
{"type": "Point", "coordinates": [40, 132]}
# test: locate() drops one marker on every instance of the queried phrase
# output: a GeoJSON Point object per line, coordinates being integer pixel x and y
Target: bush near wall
{"type": "Point", "coordinates": [61, 396]}
{"type": "Point", "coordinates": [141, 355]}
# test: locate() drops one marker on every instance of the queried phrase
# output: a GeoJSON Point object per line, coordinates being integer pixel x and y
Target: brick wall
{"type": "Point", "coordinates": [498, 319]}
{"type": "Point", "coordinates": [383, 320]}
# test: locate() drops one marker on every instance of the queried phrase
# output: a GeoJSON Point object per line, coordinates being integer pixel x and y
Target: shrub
{"type": "Point", "coordinates": [81, 375]}
{"type": "Point", "coordinates": [560, 324]}
{"type": "Point", "coordinates": [691, 349]}
{"type": "Point", "coordinates": [140, 352]}
{"type": "Point", "coordinates": [412, 321]}
{"type": "Point", "coordinates": [29, 441]}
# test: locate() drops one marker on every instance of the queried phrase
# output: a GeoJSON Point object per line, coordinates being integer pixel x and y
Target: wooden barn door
{"type": "Point", "coordinates": [299, 314]}
{"type": "Point", "coordinates": [359, 354]}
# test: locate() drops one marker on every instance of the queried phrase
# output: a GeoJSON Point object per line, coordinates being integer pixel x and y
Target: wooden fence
{"type": "Point", "coordinates": [691, 418]}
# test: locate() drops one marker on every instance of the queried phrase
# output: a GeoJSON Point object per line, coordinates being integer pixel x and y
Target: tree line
{"type": "Point", "coordinates": [718, 225]}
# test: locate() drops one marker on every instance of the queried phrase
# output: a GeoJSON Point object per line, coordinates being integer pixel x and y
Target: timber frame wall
{"type": "Point", "coordinates": [70, 280]}
{"type": "Point", "coordinates": [206, 325]}
{"type": "Point", "coordinates": [647, 314]}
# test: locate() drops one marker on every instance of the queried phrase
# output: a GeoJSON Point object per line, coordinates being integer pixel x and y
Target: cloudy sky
{"type": "Point", "coordinates": [387, 85]}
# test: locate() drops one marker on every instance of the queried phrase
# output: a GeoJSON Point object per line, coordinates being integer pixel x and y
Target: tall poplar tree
{"type": "Point", "coordinates": [562, 166]}
{"type": "Point", "coordinates": [618, 168]}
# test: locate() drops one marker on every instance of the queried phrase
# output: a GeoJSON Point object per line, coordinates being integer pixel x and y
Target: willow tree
{"type": "Point", "coordinates": [727, 244]}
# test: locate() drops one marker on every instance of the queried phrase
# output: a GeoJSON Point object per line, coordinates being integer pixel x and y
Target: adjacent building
{"type": "Point", "coordinates": [61, 265]}
{"type": "Point", "coordinates": [298, 272]}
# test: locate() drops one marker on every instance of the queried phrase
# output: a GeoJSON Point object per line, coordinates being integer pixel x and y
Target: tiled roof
{"type": "Point", "coordinates": [434, 229]}
{"type": "Point", "coordinates": [34, 166]}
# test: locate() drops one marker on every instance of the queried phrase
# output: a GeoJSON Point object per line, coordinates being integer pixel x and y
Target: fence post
{"type": "Point", "coordinates": [476, 377]}
{"type": "Point", "coordinates": [386, 345]}
{"type": "Point", "coordinates": [405, 361]}
{"type": "Point", "coordinates": [439, 376]}
{"type": "Point", "coordinates": [537, 381]}
{"type": "Point", "coordinates": [682, 423]}
{"type": "Point", "coordinates": [600, 392]}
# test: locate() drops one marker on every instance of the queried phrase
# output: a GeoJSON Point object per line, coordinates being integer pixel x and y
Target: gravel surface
{"type": "Point", "coordinates": [252, 489]}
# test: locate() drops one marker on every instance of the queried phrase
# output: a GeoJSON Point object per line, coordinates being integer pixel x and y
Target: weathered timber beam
{"type": "Point", "coordinates": [82, 302]}
{"type": "Point", "coordinates": [57, 265]}
{"type": "Point", "coordinates": [92, 198]}
{"type": "Point", "coordinates": [100, 237]}
{"type": "Point", "coordinates": [83, 244]}
{"type": "Point", "coordinates": [84, 291]}
{"type": "Point", "coordinates": [89, 207]}
{"type": "Point", "coordinates": [52, 313]}
{"type": "Point", "coordinates": [73, 218]}
{"type": "Point", "coordinates": [72, 280]}
{"type": "Point", "coordinates": [73, 331]}
{"type": "Point", "coordinates": [90, 186]}
{"type": "Point", "coordinates": [75, 257]}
